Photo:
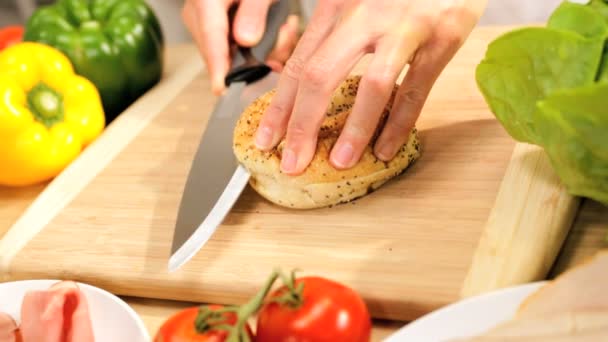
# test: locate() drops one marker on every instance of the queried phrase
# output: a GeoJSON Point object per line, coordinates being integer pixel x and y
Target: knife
{"type": "Point", "coordinates": [216, 180]}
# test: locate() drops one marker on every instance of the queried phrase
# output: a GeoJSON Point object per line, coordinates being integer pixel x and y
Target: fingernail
{"type": "Point", "coordinates": [344, 155]}
{"type": "Point", "coordinates": [218, 85]}
{"type": "Point", "coordinates": [384, 152]}
{"type": "Point", "coordinates": [249, 37]}
{"type": "Point", "coordinates": [249, 33]}
{"type": "Point", "coordinates": [263, 138]}
{"type": "Point", "coordinates": [289, 161]}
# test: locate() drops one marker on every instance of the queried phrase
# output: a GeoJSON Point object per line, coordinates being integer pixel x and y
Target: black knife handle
{"type": "Point", "coordinates": [247, 73]}
{"type": "Point", "coordinates": [247, 64]}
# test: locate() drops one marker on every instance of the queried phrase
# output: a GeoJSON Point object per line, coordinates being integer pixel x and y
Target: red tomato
{"type": "Point", "coordinates": [10, 35]}
{"type": "Point", "coordinates": [329, 311]}
{"type": "Point", "coordinates": [181, 327]}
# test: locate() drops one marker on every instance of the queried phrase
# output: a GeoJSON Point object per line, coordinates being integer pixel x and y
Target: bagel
{"type": "Point", "coordinates": [320, 185]}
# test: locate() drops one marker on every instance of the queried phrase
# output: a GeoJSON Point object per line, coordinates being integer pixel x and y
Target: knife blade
{"type": "Point", "coordinates": [216, 180]}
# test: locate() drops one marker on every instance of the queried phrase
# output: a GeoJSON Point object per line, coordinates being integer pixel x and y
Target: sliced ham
{"type": "Point", "coordinates": [571, 308]}
{"type": "Point", "coordinates": [584, 287]}
{"type": "Point", "coordinates": [8, 329]}
{"type": "Point", "coordinates": [559, 326]}
{"type": "Point", "coordinates": [59, 314]}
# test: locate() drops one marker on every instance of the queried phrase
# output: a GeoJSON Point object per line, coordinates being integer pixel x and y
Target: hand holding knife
{"type": "Point", "coordinates": [216, 180]}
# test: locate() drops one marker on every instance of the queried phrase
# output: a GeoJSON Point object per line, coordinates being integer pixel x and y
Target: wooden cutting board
{"type": "Point", "coordinates": [407, 248]}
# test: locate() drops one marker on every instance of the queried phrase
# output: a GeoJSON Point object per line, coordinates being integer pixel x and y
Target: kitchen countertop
{"type": "Point", "coordinates": [13, 202]}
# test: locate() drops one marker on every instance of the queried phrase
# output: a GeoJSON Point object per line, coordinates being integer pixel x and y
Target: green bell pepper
{"type": "Point", "coordinates": [116, 44]}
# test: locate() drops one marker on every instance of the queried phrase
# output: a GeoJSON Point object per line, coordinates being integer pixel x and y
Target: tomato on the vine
{"type": "Point", "coordinates": [192, 325]}
{"type": "Point", "coordinates": [314, 309]}
{"type": "Point", "coordinates": [307, 309]}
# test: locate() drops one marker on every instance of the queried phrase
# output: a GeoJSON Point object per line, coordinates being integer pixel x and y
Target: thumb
{"type": "Point", "coordinates": [250, 21]}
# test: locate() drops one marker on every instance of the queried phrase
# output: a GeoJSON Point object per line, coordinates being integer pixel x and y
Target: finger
{"type": "Point", "coordinates": [410, 98]}
{"type": "Point", "coordinates": [286, 41]}
{"type": "Point", "coordinates": [427, 65]}
{"type": "Point", "coordinates": [250, 21]}
{"type": "Point", "coordinates": [212, 27]}
{"type": "Point", "coordinates": [322, 74]}
{"type": "Point", "coordinates": [274, 121]}
{"type": "Point", "coordinates": [275, 65]}
{"type": "Point", "coordinates": [190, 18]}
{"type": "Point", "coordinates": [374, 92]}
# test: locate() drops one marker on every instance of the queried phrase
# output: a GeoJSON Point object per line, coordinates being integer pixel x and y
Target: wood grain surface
{"type": "Point", "coordinates": [406, 248]}
{"type": "Point", "coordinates": [527, 226]}
{"type": "Point", "coordinates": [15, 201]}
{"type": "Point", "coordinates": [63, 188]}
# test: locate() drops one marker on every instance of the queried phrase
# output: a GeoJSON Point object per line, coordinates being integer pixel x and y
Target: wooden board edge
{"type": "Point", "coordinates": [63, 188]}
{"type": "Point", "coordinates": [532, 208]}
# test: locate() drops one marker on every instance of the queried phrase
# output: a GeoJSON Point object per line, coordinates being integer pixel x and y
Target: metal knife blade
{"type": "Point", "coordinates": [216, 181]}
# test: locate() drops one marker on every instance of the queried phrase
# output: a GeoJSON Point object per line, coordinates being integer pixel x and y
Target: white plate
{"type": "Point", "coordinates": [112, 318]}
{"type": "Point", "coordinates": [466, 318]}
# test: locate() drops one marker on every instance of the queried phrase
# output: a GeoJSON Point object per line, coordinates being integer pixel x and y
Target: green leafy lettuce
{"type": "Point", "coordinates": [574, 126]}
{"type": "Point", "coordinates": [599, 6]}
{"type": "Point", "coordinates": [584, 20]}
{"type": "Point", "coordinates": [547, 86]}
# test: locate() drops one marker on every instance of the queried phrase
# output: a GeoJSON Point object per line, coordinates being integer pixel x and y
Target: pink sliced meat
{"type": "Point", "coordinates": [583, 287]}
{"type": "Point", "coordinates": [59, 314]}
{"type": "Point", "coordinates": [9, 331]}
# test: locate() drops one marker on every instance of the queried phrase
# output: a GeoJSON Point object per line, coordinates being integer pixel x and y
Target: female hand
{"type": "Point", "coordinates": [424, 33]}
{"type": "Point", "coordinates": [207, 21]}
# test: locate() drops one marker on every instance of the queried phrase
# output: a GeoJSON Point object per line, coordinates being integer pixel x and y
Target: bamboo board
{"type": "Point", "coordinates": [406, 248]}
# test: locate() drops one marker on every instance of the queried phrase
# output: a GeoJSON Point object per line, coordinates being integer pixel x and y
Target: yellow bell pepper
{"type": "Point", "coordinates": [48, 113]}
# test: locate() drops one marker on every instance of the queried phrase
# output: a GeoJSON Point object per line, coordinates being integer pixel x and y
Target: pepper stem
{"type": "Point", "coordinates": [46, 104]}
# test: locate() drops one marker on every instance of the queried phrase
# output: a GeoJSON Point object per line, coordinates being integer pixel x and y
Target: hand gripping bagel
{"type": "Point", "coordinates": [321, 184]}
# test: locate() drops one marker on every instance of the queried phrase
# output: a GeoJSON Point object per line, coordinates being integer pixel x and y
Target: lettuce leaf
{"type": "Point", "coordinates": [548, 86]}
{"type": "Point", "coordinates": [579, 18]}
{"type": "Point", "coordinates": [573, 124]}
{"type": "Point", "coordinates": [599, 6]}
{"type": "Point", "coordinates": [523, 66]}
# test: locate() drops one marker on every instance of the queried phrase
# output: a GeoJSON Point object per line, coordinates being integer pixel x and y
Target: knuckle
{"type": "Point", "coordinates": [274, 114]}
{"type": "Point", "coordinates": [275, 110]}
{"type": "Point", "coordinates": [293, 68]}
{"type": "Point", "coordinates": [397, 127]}
{"type": "Point", "coordinates": [297, 131]}
{"type": "Point", "coordinates": [315, 73]}
{"type": "Point", "coordinates": [413, 96]}
{"type": "Point", "coordinates": [380, 81]}
{"type": "Point", "coordinates": [357, 133]}
{"type": "Point", "coordinates": [423, 22]}
{"type": "Point", "coordinates": [451, 33]}
{"type": "Point", "coordinates": [449, 38]}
